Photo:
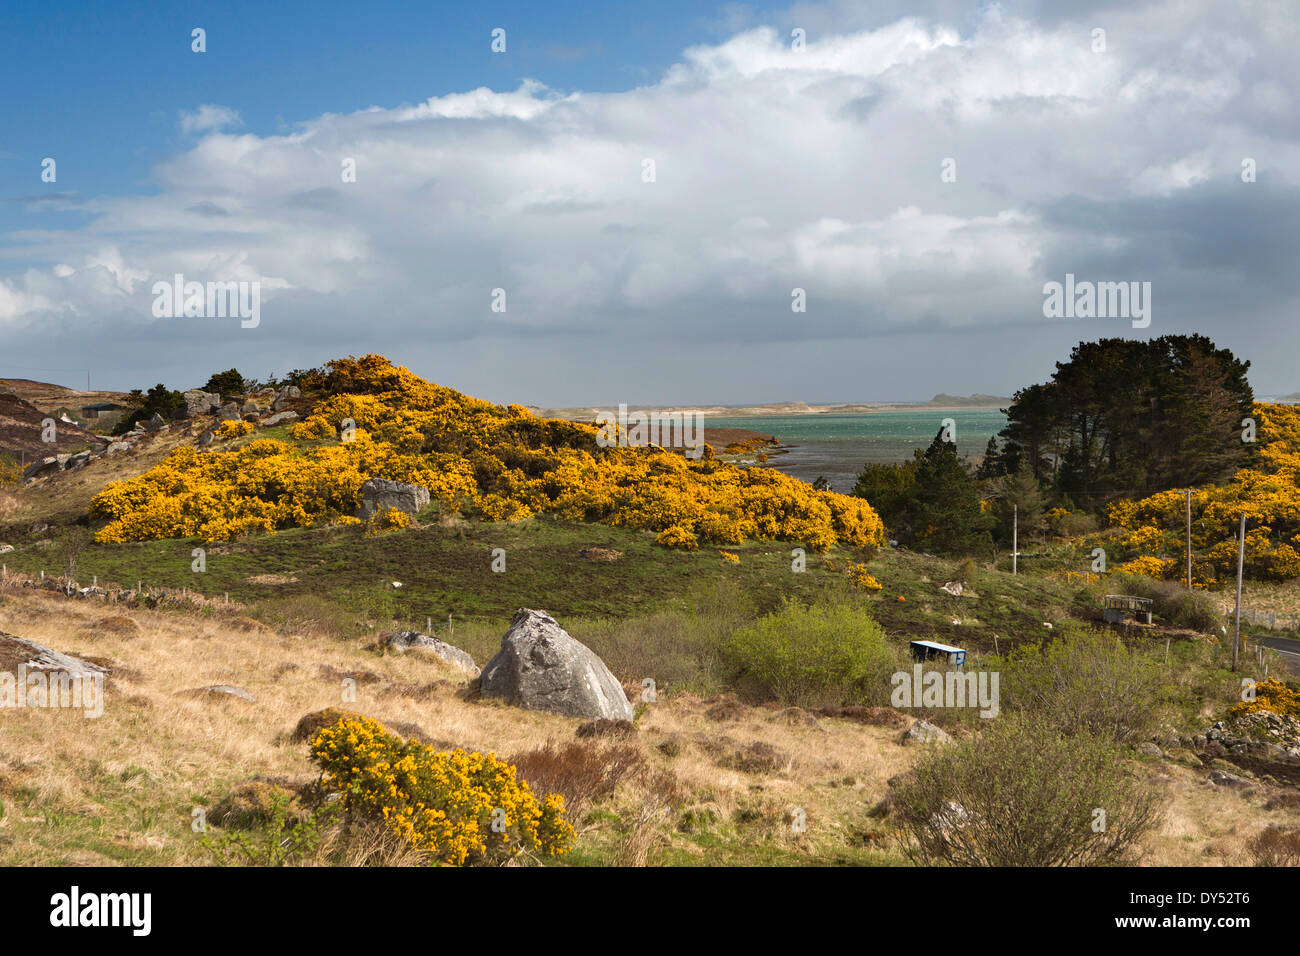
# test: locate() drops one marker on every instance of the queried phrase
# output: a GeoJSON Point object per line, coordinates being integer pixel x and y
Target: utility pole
{"type": "Point", "coordinates": [1236, 617]}
{"type": "Point", "coordinates": [1015, 538]}
{"type": "Point", "coordinates": [1189, 539]}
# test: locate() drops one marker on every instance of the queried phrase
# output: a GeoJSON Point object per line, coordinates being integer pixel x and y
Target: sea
{"type": "Point", "coordinates": [836, 446]}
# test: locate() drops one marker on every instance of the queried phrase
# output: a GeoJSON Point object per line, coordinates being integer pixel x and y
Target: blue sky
{"type": "Point", "coordinates": [777, 168]}
{"type": "Point", "coordinates": [102, 83]}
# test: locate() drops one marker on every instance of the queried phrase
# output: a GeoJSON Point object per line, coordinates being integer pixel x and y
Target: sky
{"type": "Point", "coordinates": [630, 201]}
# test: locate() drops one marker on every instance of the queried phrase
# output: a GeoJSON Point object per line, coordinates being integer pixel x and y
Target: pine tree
{"type": "Point", "coordinates": [944, 513]}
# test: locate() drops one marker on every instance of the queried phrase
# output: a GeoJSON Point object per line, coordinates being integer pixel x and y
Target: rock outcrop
{"type": "Point", "coordinates": [380, 494]}
{"type": "Point", "coordinates": [15, 651]}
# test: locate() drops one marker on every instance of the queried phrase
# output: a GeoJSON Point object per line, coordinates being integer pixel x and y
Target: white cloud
{"type": "Point", "coordinates": [208, 118]}
{"type": "Point", "coordinates": [775, 169]}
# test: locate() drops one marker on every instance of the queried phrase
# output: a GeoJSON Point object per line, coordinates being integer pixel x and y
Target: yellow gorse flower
{"type": "Point", "coordinates": [499, 463]}
{"type": "Point", "coordinates": [458, 807]}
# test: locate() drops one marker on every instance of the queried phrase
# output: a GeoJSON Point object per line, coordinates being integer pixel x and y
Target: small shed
{"type": "Point", "coordinates": [1117, 608]}
{"type": "Point", "coordinates": [100, 409]}
{"type": "Point", "coordinates": [932, 650]}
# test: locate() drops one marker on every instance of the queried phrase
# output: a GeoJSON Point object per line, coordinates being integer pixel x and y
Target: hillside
{"type": "Point", "coordinates": [23, 436]}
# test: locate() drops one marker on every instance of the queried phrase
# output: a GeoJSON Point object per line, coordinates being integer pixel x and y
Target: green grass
{"type": "Point", "coordinates": [443, 569]}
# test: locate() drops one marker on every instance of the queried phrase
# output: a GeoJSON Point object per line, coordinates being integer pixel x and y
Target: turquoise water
{"type": "Point", "coordinates": [837, 446]}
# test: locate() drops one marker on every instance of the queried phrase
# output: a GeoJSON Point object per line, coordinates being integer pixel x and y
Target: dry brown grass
{"type": "Point", "coordinates": [122, 788]}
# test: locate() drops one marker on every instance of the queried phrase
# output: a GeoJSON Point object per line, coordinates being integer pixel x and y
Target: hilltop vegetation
{"type": "Point", "coordinates": [378, 420]}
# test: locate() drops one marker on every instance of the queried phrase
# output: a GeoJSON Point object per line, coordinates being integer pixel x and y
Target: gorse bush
{"type": "Point", "coordinates": [11, 475]}
{"type": "Point", "coordinates": [1266, 490]}
{"type": "Point", "coordinates": [825, 654]}
{"type": "Point", "coordinates": [1271, 696]}
{"type": "Point", "coordinates": [1022, 794]}
{"type": "Point", "coordinates": [234, 429]}
{"type": "Point", "coordinates": [1085, 683]}
{"type": "Point", "coordinates": [457, 807]}
{"type": "Point", "coordinates": [489, 461]}
{"type": "Point", "coordinates": [863, 578]}
{"type": "Point", "coordinates": [389, 519]}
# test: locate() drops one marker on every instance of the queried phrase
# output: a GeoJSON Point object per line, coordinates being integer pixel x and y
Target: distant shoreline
{"type": "Point", "coordinates": [791, 409]}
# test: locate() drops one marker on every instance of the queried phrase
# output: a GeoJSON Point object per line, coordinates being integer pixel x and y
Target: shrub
{"type": "Point", "coordinates": [390, 519]}
{"type": "Point", "coordinates": [676, 536]}
{"type": "Point", "coordinates": [1023, 795]}
{"type": "Point", "coordinates": [1195, 610]}
{"type": "Point", "coordinates": [1085, 684]}
{"type": "Point", "coordinates": [1266, 490]}
{"type": "Point", "coordinates": [863, 578]}
{"type": "Point", "coordinates": [1069, 524]}
{"type": "Point", "coordinates": [1271, 695]}
{"type": "Point", "coordinates": [285, 838]}
{"type": "Point", "coordinates": [227, 384]}
{"type": "Point", "coordinates": [582, 773]}
{"type": "Point", "coordinates": [1275, 846]}
{"type": "Point", "coordinates": [457, 807]}
{"type": "Point", "coordinates": [966, 573]}
{"type": "Point", "coordinates": [814, 656]}
{"type": "Point", "coordinates": [11, 474]}
{"type": "Point", "coordinates": [234, 429]}
{"type": "Point", "coordinates": [1149, 567]}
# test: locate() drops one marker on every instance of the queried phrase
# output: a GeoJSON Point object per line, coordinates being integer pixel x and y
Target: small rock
{"type": "Point", "coordinates": [453, 656]}
{"type": "Point", "coordinates": [1221, 778]}
{"type": "Point", "coordinates": [1150, 749]}
{"type": "Point", "coordinates": [924, 732]}
{"type": "Point", "coordinates": [280, 418]}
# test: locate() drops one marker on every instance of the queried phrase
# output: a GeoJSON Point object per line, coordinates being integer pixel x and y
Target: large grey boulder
{"type": "Point", "coordinates": [279, 418]}
{"type": "Point", "coordinates": [453, 656]}
{"type": "Point", "coordinates": [284, 396]}
{"type": "Point", "coordinates": [540, 667]}
{"type": "Point", "coordinates": [199, 402]}
{"type": "Point", "coordinates": [380, 494]}
{"type": "Point", "coordinates": [228, 412]}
